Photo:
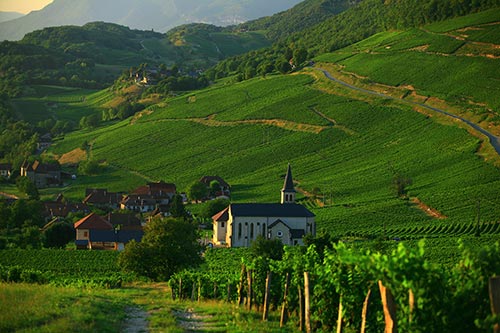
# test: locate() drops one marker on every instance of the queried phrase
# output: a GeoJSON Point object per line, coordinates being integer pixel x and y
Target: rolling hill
{"type": "Point", "coordinates": [94, 55]}
{"type": "Point", "coordinates": [346, 147]}
{"type": "Point", "coordinates": [142, 14]}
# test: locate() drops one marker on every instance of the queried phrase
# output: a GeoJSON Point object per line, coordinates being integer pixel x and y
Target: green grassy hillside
{"type": "Point", "coordinates": [455, 61]}
{"type": "Point", "coordinates": [348, 148]}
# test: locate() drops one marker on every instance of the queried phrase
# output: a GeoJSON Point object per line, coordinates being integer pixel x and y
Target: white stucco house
{"type": "Point", "coordinates": [239, 224]}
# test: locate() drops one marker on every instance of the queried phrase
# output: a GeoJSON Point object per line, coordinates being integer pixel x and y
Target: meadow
{"type": "Point", "coordinates": [46, 308]}
{"type": "Point", "coordinates": [60, 103]}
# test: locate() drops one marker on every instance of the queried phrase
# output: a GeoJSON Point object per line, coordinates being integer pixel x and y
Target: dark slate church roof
{"type": "Point", "coordinates": [270, 209]}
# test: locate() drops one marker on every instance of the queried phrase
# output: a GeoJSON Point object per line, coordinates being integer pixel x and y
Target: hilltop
{"type": "Point", "coordinates": [96, 54]}
{"type": "Point", "coordinates": [142, 14]}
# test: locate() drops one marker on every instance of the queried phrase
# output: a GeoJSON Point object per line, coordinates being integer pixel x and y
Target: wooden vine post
{"type": "Point", "coordinates": [267, 297]}
{"type": "Point", "coordinates": [180, 288]}
{"type": "Point", "coordinates": [364, 312]}
{"type": "Point", "coordinates": [229, 291]}
{"type": "Point", "coordinates": [193, 290]}
{"type": "Point", "coordinates": [199, 290]}
{"type": "Point", "coordinates": [411, 301]}
{"type": "Point", "coordinates": [339, 318]}
{"type": "Point", "coordinates": [494, 291]}
{"type": "Point", "coordinates": [241, 285]}
{"type": "Point", "coordinates": [301, 309]}
{"type": "Point", "coordinates": [307, 307]}
{"type": "Point", "coordinates": [389, 309]}
{"type": "Point", "coordinates": [249, 291]}
{"type": "Point", "coordinates": [284, 307]}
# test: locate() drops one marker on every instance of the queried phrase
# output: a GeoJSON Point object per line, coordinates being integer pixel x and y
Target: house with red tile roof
{"type": "Point", "coordinates": [102, 199]}
{"type": "Point", "coordinates": [149, 197]}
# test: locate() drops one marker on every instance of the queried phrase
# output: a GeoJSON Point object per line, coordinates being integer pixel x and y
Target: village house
{"type": "Point", "coordinates": [42, 174]}
{"type": "Point", "coordinates": [225, 189]}
{"type": "Point", "coordinates": [101, 198]}
{"type": "Point", "coordinates": [111, 232]}
{"type": "Point", "coordinates": [61, 208]}
{"type": "Point", "coordinates": [44, 142]}
{"type": "Point", "coordinates": [149, 197]}
{"type": "Point", "coordinates": [240, 224]}
{"type": "Point", "coordinates": [5, 170]}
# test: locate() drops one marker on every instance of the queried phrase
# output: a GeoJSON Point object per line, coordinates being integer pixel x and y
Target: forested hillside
{"type": "Point", "coordinates": [353, 25]}
{"type": "Point", "coordinates": [304, 15]}
{"type": "Point", "coordinates": [95, 55]}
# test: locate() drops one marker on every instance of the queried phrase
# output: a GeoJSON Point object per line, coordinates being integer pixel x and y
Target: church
{"type": "Point", "coordinates": [239, 224]}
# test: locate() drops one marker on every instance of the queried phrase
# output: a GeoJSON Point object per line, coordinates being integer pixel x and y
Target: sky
{"type": "Point", "coordinates": [22, 6]}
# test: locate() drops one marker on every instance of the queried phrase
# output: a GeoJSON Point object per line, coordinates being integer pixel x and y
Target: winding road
{"type": "Point", "coordinates": [494, 140]}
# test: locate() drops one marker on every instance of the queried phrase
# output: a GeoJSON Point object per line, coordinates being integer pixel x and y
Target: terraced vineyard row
{"type": "Point", "coordinates": [431, 231]}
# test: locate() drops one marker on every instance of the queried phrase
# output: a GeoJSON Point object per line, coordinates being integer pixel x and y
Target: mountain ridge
{"type": "Point", "coordinates": [7, 16]}
{"type": "Point", "coordinates": [145, 15]}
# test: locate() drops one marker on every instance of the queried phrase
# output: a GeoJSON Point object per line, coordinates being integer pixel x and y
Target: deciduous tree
{"type": "Point", "coordinates": [167, 247]}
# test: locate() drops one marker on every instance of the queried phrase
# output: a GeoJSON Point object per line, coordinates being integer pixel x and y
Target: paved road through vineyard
{"type": "Point", "coordinates": [494, 140]}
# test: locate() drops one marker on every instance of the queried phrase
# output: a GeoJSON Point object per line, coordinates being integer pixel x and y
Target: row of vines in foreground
{"type": "Point", "coordinates": [61, 267]}
{"type": "Point", "coordinates": [345, 288]}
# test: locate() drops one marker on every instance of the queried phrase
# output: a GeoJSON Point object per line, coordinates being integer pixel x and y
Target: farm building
{"type": "Point", "coordinates": [240, 224]}
{"type": "Point", "coordinates": [42, 174]}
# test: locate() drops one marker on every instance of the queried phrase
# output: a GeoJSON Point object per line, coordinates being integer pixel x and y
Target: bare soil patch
{"type": "Point", "coordinates": [73, 157]}
{"type": "Point", "coordinates": [428, 210]}
{"type": "Point", "coordinates": [191, 321]}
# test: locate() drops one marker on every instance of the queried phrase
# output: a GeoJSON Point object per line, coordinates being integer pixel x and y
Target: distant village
{"type": "Point", "coordinates": [124, 215]}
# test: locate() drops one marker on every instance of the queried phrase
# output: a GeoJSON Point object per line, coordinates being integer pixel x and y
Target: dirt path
{"type": "Point", "coordinates": [284, 124]}
{"type": "Point", "coordinates": [494, 140]}
{"type": "Point", "coordinates": [191, 321]}
{"type": "Point", "coordinates": [136, 321]}
{"type": "Point", "coordinates": [428, 210]}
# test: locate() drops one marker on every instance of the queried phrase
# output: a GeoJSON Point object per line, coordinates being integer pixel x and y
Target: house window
{"type": "Point", "coordinates": [239, 230]}
{"type": "Point", "coordinates": [251, 231]}
{"type": "Point", "coordinates": [222, 224]}
{"type": "Point", "coordinates": [85, 234]}
{"type": "Point", "coordinates": [279, 234]}
{"type": "Point", "coordinates": [263, 230]}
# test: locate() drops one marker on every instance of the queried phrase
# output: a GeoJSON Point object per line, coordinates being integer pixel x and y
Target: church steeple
{"type": "Point", "coordinates": [288, 190]}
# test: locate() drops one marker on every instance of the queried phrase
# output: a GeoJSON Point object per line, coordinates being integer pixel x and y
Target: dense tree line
{"type": "Point", "coordinates": [353, 25]}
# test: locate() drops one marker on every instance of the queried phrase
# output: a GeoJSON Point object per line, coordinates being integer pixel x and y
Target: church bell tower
{"type": "Point", "coordinates": [288, 190]}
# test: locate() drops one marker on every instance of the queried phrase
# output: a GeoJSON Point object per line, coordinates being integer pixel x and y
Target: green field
{"type": "Point", "coordinates": [60, 103]}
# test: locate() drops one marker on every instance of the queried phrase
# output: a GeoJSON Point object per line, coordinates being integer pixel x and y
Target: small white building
{"type": "Point", "coordinates": [239, 224]}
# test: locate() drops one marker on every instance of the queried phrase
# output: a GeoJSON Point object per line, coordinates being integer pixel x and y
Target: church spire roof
{"type": "Point", "coordinates": [288, 184]}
